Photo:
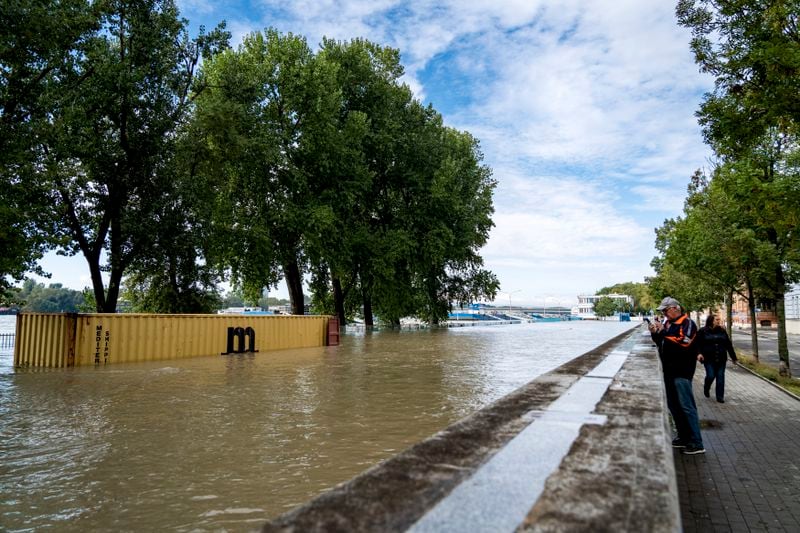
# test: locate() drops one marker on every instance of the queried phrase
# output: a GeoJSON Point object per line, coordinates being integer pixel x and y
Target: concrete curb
{"type": "Point", "coordinates": [395, 494]}
{"type": "Point", "coordinates": [619, 476]}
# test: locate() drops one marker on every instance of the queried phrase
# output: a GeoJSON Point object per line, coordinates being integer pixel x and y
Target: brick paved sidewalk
{"type": "Point", "coordinates": [749, 478]}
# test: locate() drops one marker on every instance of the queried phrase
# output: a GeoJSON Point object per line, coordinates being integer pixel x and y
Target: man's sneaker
{"type": "Point", "coordinates": [678, 443]}
{"type": "Point", "coordinates": [691, 449]}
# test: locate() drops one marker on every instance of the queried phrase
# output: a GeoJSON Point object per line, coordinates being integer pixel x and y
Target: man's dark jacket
{"type": "Point", "coordinates": [676, 347]}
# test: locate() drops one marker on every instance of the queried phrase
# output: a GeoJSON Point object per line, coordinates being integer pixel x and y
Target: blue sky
{"type": "Point", "coordinates": [584, 111]}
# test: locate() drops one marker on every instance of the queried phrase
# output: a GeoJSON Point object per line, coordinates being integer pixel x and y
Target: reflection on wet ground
{"type": "Point", "coordinates": [225, 442]}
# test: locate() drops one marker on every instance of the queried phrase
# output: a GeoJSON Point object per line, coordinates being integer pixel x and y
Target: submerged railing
{"type": "Point", "coordinates": [7, 340]}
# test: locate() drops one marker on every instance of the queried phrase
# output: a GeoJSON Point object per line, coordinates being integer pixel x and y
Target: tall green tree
{"type": "Point", "coordinates": [325, 164]}
{"type": "Point", "coordinates": [267, 111]}
{"type": "Point", "coordinates": [180, 270]}
{"type": "Point", "coordinates": [364, 242]}
{"type": "Point", "coordinates": [455, 222]}
{"type": "Point", "coordinates": [766, 187]}
{"type": "Point", "coordinates": [420, 207]}
{"type": "Point", "coordinates": [114, 115]}
{"type": "Point", "coordinates": [38, 41]}
{"type": "Point", "coordinates": [712, 247]}
{"type": "Point", "coordinates": [752, 48]}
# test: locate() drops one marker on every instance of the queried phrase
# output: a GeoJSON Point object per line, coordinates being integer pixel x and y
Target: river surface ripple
{"type": "Point", "coordinates": [226, 442]}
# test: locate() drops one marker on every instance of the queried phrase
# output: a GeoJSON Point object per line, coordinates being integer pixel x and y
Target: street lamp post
{"type": "Point", "coordinates": [509, 299]}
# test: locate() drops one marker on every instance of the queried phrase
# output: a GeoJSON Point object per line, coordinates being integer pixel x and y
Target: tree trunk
{"type": "Point", "coordinates": [729, 313]}
{"type": "Point", "coordinates": [751, 306]}
{"type": "Point", "coordinates": [780, 309]}
{"type": "Point", "coordinates": [294, 283]}
{"type": "Point", "coordinates": [369, 320]}
{"type": "Point", "coordinates": [338, 299]}
{"type": "Point", "coordinates": [113, 290]}
{"type": "Point", "coordinates": [97, 281]}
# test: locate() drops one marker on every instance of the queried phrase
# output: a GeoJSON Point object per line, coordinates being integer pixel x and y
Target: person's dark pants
{"type": "Point", "coordinates": [674, 406]}
{"type": "Point", "coordinates": [715, 371]}
{"type": "Point", "coordinates": [680, 401]}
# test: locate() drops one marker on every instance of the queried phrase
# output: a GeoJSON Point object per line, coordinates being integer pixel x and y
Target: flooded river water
{"type": "Point", "coordinates": [225, 442]}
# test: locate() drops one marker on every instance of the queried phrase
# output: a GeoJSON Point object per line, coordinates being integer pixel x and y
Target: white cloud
{"type": "Point", "coordinates": [560, 219]}
{"type": "Point", "coordinates": [196, 6]}
{"type": "Point", "coordinates": [592, 95]}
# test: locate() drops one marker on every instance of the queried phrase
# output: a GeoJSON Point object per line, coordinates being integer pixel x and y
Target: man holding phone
{"type": "Point", "coordinates": [675, 338]}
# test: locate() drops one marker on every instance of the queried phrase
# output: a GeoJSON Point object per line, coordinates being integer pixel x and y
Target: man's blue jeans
{"type": "Point", "coordinates": [687, 407]}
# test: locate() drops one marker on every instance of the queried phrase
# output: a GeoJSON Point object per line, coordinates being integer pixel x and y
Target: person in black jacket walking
{"type": "Point", "coordinates": [675, 338]}
{"type": "Point", "coordinates": [713, 347]}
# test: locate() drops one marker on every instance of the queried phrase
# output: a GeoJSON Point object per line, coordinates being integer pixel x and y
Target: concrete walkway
{"type": "Point", "coordinates": [749, 478]}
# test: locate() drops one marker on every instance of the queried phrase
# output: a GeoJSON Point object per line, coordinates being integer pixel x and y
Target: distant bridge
{"type": "Point", "coordinates": [538, 310]}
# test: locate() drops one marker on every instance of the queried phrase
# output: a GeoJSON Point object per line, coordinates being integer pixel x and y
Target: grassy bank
{"type": "Point", "coordinates": [770, 373]}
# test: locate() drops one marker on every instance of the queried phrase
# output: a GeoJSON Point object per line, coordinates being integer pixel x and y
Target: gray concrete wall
{"type": "Point", "coordinates": [617, 475]}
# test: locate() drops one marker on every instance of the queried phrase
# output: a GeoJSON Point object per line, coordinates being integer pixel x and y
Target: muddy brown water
{"type": "Point", "coordinates": [226, 442]}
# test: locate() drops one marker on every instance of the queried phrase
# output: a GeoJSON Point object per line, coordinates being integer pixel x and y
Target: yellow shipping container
{"type": "Point", "coordinates": [61, 340]}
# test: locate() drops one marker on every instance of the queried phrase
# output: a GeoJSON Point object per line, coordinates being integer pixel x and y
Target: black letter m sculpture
{"type": "Point", "coordinates": [240, 334]}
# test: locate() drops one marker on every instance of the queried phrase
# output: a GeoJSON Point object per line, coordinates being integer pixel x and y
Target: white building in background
{"type": "Point", "coordinates": [792, 304]}
{"type": "Point", "coordinates": [585, 307]}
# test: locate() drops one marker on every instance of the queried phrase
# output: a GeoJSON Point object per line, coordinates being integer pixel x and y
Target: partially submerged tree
{"type": "Point", "coordinates": [106, 153]}
{"type": "Point", "coordinates": [37, 45]}
{"type": "Point", "coordinates": [326, 164]}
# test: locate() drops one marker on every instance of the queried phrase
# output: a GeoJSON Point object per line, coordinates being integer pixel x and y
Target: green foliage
{"type": "Point", "coordinates": [104, 153]}
{"type": "Point", "coordinates": [54, 298]}
{"type": "Point", "coordinates": [752, 49]}
{"type": "Point", "coordinates": [259, 118]}
{"type": "Point", "coordinates": [643, 301]}
{"type": "Point", "coordinates": [325, 164]}
{"type": "Point", "coordinates": [170, 292]}
{"type": "Point", "coordinates": [739, 230]}
{"type": "Point", "coordinates": [605, 306]}
{"type": "Point", "coordinates": [37, 40]}
{"type": "Point", "coordinates": [272, 161]}
{"type": "Point", "coordinates": [232, 299]}
{"type": "Point", "coordinates": [415, 228]}
{"type": "Point", "coordinates": [88, 305]}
